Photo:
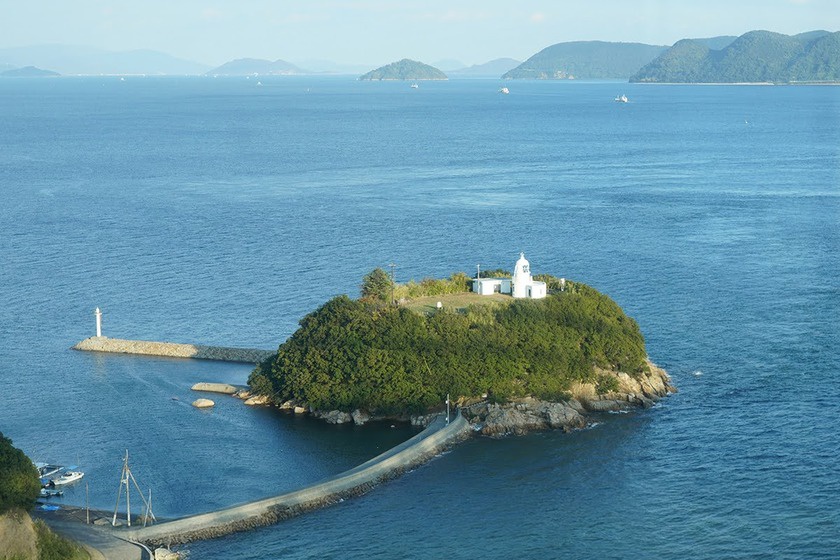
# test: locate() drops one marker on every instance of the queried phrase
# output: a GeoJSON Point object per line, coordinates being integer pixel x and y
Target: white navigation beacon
{"type": "Point", "coordinates": [98, 315]}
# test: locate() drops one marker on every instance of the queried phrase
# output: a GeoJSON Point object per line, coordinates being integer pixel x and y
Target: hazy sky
{"type": "Point", "coordinates": [379, 31]}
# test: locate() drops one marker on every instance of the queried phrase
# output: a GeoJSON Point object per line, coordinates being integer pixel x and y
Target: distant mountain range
{"type": "Point", "coordinates": [757, 56]}
{"type": "Point", "coordinates": [75, 60]}
{"type": "Point", "coordinates": [586, 60]}
{"type": "Point", "coordinates": [257, 66]}
{"type": "Point", "coordinates": [405, 69]}
{"type": "Point", "coordinates": [492, 69]}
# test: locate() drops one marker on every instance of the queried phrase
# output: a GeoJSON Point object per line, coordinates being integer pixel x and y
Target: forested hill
{"type": "Point", "coordinates": [405, 69]}
{"type": "Point", "coordinates": [365, 354]}
{"type": "Point", "coordinates": [755, 57]}
{"type": "Point", "coordinates": [586, 60]}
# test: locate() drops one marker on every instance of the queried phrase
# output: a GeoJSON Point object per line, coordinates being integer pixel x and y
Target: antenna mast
{"type": "Point", "coordinates": [126, 478]}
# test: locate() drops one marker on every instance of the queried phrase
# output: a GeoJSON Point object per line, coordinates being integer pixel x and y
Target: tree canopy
{"type": "Point", "coordinates": [352, 354]}
{"type": "Point", "coordinates": [19, 483]}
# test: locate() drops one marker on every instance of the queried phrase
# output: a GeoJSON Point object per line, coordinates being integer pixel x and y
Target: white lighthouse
{"type": "Point", "coordinates": [520, 285]}
{"type": "Point", "coordinates": [521, 278]}
{"type": "Point", "coordinates": [98, 315]}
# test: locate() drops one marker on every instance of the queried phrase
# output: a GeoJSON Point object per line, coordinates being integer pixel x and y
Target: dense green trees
{"type": "Point", "coordinates": [757, 56]}
{"type": "Point", "coordinates": [352, 354]}
{"type": "Point", "coordinates": [19, 483]}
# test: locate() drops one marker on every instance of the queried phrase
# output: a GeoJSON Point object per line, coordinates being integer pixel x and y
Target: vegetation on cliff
{"type": "Point", "coordinates": [587, 60]}
{"type": "Point", "coordinates": [405, 69]}
{"type": "Point", "coordinates": [368, 354]}
{"type": "Point", "coordinates": [757, 56]}
{"type": "Point", "coordinates": [19, 483]}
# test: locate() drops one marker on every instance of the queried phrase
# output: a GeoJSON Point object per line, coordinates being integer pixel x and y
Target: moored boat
{"type": "Point", "coordinates": [68, 477]}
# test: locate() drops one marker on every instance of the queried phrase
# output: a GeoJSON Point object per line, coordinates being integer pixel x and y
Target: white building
{"type": "Point", "coordinates": [521, 285]}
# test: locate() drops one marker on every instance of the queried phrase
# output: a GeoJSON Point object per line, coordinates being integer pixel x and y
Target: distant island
{"type": "Point", "coordinates": [586, 60]}
{"type": "Point", "coordinates": [28, 72]}
{"type": "Point", "coordinates": [256, 66]}
{"type": "Point", "coordinates": [491, 69]}
{"type": "Point", "coordinates": [755, 57]}
{"type": "Point", "coordinates": [514, 364]}
{"type": "Point", "coordinates": [405, 69]}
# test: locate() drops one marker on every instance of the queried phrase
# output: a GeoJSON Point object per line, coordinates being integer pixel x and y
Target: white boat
{"type": "Point", "coordinates": [68, 477]}
{"type": "Point", "coordinates": [415, 85]}
{"type": "Point", "coordinates": [621, 99]}
{"type": "Point", "coordinates": [504, 90]}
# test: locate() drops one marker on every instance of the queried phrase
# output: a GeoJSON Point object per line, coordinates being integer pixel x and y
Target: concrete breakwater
{"type": "Point", "coordinates": [172, 350]}
{"type": "Point", "coordinates": [391, 464]}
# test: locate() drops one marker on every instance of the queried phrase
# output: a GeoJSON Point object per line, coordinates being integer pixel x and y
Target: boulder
{"type": "Point", "coordinates": [166, 554]}
{"type": "Point", "coordinates": [360, 417]}
{"type": "Point", "coordinates": [203, 403]}
{"type": "Point", "coordinates": [256, 400]}
{"type": "Point", "coordinates": [223, 388]}
{"type": "Point", "coordinates": [299, 410]}
{"type": "Point", "coordinates": [336, 417]}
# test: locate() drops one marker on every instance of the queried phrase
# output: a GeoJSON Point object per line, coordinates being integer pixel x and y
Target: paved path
{"type": "Point", "coordinates": [100, 541]}
{"type": "Point", "coordinates": [417, 450]}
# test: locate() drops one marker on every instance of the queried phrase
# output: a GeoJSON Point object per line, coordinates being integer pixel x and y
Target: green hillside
{"type": "Point", "coordinates": [755, 57]}
{"type": "Point", "coordinates": [586, 60]}
{"type": "Point", "coordinates": [366, 354]}
{"type": "Point", "coordinates": [405, 69]}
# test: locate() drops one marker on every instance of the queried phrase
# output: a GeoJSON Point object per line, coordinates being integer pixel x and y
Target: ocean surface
{"type": "Point", "coordinates": [220, 211]}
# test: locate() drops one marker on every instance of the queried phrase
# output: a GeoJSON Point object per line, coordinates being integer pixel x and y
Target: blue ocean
{"type": "Point", "coordinates": [220, 211]}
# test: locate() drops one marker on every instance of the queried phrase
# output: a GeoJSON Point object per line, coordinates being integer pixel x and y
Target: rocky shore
{"type": "Point", "coordinates": [519, 416]}
{"type": "Point", "coordinates": [529, 414]}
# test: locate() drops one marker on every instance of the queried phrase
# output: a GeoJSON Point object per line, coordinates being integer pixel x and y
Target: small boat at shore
{"type": "Point", "coordinates": [45, 493]}
{"type": "Point", "coordinates": [68, 477]}
{"type": "Point", "coordinates": [46, 470]}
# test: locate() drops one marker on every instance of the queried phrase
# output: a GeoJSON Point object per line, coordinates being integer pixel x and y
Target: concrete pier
{"type": "Point", "coordinates": [417, 450]}
{"type": "Point", "coordinates": [172, 350]}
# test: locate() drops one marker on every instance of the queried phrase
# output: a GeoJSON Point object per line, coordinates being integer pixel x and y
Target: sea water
{"type": "Point", "coordinates": [220, 211]}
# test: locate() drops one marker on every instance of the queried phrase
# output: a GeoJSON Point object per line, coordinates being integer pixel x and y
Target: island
{"type": "Point", "coordinates": [404, 69]}
{"type": "Point", "coordinates": [754, 57]}
{"type": "Point", "coordinates": [514, 353]}
{"type": "Point", "coordinates": [29, 72]}
{"type": "Point", "coordinates": [586, 60]}
{"type": "Point", "coordinates": [256, 67]}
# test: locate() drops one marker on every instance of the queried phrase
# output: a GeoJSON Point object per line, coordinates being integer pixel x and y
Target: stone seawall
{"type": "Point", "coordinates": [391, 464]}
{"type": "Point", "coordinates": [172, 350]}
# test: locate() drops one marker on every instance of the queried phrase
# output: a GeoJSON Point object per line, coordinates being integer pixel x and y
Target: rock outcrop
{"type": "Point", "coordinates": [203, 403]}
{"type": "Point", "coordinates": [529, 414]}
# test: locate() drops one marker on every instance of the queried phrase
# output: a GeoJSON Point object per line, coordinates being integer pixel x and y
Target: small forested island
{"type": "Point", "coordinates": [405, 69]}
{"type": "Point", "coordinates": [755, 57]}
{"type": "Point", "coordinates": [511, 362]}
{"type": "Point", "coordinates": [28, 72]}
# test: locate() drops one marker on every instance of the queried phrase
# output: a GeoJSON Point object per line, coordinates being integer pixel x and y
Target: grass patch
{"type": "Point", "coordinates": [54, 547]}
{"type": "Point", "coordinates": [455, 302]}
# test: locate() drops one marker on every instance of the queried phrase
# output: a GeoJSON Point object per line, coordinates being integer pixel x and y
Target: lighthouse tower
{"type": "Point", "coordinates": [521, 279]}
